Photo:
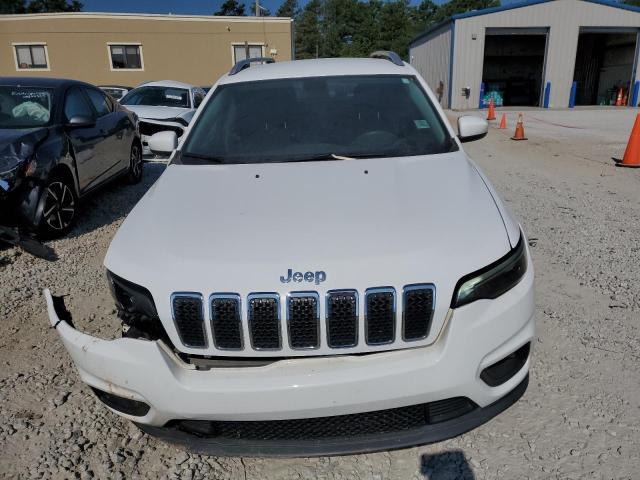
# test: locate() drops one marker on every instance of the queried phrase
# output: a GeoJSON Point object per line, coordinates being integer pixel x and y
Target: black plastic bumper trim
{"type": "Point", "coordinates": [338, 446]}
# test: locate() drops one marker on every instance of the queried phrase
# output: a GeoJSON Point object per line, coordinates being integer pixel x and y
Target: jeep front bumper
{"type": "Point", "coordinates": [474, 337]}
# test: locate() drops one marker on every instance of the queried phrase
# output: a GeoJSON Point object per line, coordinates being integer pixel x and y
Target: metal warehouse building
{"type": "Point", "coordinates": [547, 53]}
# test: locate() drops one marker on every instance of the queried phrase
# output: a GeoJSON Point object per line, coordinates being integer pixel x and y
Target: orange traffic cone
{"type": "Point", "coordinates": [503, 122]}
{"type": "Point", "coordinates": [492, 112]}
{"type": "Point", "coordinates": [624, 100]}
{"type": "Point", "coordinates": [519, 134]}
{"type": "Point", "coordinates": [619, 99]}
{"type": "Point", "coordinates": [632, 153]}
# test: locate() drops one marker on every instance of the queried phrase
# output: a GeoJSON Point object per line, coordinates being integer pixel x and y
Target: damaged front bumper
{"type": "Point", "coordinates": [173, 394]}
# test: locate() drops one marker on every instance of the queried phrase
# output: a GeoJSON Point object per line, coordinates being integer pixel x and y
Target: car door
{"type": "Point", "coordinates": [84, 140]}
{"type": "Point", "coordinates": [114, 125]}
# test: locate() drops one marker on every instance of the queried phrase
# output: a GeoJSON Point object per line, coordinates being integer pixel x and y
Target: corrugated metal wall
{"type": "Point", "coordinates": [563, 17]}
{"type": "Point", "coordinates": [431, 56]}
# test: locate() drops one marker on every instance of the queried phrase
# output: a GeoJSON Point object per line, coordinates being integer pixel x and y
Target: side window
{"type": "Point", "coordinates": [127, 57]}
{"type": "Point", "coordinates": [240, 52]}
{"type": "Point", "coordinates": [31, 56]}
{"type": "Point", "coordinates": [76, 105]}
{"type": "Point", "coordinates": [100, 101]}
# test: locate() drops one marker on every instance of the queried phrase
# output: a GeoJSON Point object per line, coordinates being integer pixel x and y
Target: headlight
{"type": "Point", "coordinates": [493, 280]}
{"type": "Point", "coordinates": [134, 302]}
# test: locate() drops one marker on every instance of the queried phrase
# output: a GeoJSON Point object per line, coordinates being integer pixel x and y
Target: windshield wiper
{"type": "Point", "coordinates": [332, 156]}
{"type": "Point", "coordinates": [208, 158]}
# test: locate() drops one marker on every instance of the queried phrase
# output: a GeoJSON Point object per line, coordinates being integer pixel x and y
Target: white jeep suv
{"type": "Point", "coordinates": [321, 269]}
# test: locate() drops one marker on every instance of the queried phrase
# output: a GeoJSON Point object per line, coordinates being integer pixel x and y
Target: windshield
{"type": "Point", "coordinates": [318, 118]}
{"type": "Point", "coordinates": [24, 107]}
{"type": "Point", "coordinates": [157, 96]}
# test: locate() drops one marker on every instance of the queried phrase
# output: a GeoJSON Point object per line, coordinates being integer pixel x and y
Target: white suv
{"type": "Point", "coordinates": [320, 269]}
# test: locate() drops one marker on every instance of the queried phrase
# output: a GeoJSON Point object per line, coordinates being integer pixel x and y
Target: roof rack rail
{"type": "Point", "coordinates": [393, 57]}
{"type": "Point", "coordinates": [242, 64]}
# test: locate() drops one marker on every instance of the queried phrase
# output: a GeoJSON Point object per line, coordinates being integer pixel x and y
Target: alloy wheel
{"type": "Point", "coordinates": [59, 206]}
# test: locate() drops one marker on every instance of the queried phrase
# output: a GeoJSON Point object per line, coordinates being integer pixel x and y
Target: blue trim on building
{"type": "Point", "coordinates": [430, 30]}
{"type": "Point", "coordinates": [634, 97]}
{"type": "Point", "coordinates": [572, 95]}
{"type": "Point", "coordinates": [501, 8]}
{"type": "Point", "coordinates": [547, 95]}
{"type": "Point", "coordinates": [527, 3]}
{"type": "Point", "coordinates": [511, 6]}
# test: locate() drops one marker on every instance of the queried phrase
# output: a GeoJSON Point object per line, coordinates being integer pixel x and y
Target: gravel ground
{"type": "Point", "coordinates": [580, 417]}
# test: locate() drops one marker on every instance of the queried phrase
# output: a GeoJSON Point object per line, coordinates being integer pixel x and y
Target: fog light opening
{"type": "Point", "coordinates": [504, 369]}
{"type": "Point", "coordinates": [121, 404]}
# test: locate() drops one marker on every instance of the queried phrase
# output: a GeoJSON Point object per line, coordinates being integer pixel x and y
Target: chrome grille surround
{"type": "Point", "coordinates": [178, 322]}
{"type": "Point", "coordinates": [225, 297]}
{"type": "Point", "coordinates": [291, 298]}
{"type": "Point", "coordinates": [344, 322]}
{"type": "Point", "coordinates": [252, 303]}
{"type": "Point", "coordinates": [406, 292]}
{"type": "Point", "coordinates": [373, 320]}
{"type": "Point", "coordinates": [329, 315]}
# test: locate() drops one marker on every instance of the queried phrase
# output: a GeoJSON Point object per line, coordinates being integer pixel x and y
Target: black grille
{"type": "Point", "coordinates": [418, 312]}
{"type": "Point", "coordinates": [443, 410]}
{"type": "Point", "coordinates": [264, 323]}
{"type": "Point", "coordinates": [359, 424]}
{"type": "Point", "coordinates": [187, 313]}
{"type": "Point", "coordinates": [302, 314]}
{"type": "Point", "coordinates": [380, 316]}
{"type": "Point", "coordinates": [342, 319]}
{"type": "Point", "coordinates": [225, 322]}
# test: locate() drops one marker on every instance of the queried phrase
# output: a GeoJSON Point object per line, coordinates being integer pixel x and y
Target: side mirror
{"type": "Point", "coordinates": [471, 128]}
{"type": "Point", "coordinates": [163, 143]}
{"type": "Point", "coordinates": [80, 121]}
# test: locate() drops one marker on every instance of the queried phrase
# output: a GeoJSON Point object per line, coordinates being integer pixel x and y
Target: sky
{"type": "Point", "coordinates": [178, 7]}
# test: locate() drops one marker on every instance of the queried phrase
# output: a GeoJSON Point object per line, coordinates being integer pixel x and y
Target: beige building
{"type": "Point", "coordinates": [127, 49]}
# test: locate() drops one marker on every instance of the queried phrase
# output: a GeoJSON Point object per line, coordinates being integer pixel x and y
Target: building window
{"type": "Point", "coordinates": [240, 51]}
{"type": "Point", "coordinates": [30, 57]}
{"type": "Point", "coordinates": [125, 57]}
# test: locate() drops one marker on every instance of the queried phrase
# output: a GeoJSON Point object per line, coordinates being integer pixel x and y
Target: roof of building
{"type": "Point", "coordinates": [141, 16]}
{"type": "Point", "coordinates": [511, 6]}
{"type": "Point", "coordinates": [317, 68]}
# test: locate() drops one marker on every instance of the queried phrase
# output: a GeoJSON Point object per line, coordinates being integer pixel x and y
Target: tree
{"type": "Point", "coordinates": [423, 16]}
{"type": "Point", "coordinates": [39, 6]}
{"type": "Point", "coordinates": [289, 8]}
{"type": "Point", "coordinates": [307, 28]}
{"type": "Point", "coordinates": [231, 8]}
{"type": "Point", "coordinates": [395, 27]}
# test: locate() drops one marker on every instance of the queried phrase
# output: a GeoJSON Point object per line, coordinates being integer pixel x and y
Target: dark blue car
{"type": "Point", "coordinates": [59, 140]}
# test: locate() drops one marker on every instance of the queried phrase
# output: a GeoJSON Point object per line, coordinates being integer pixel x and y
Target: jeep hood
{"type": "Point", "coordinates": [366, 223]}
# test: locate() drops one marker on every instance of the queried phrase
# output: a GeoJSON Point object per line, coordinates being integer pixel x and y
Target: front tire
{"type": "Point", "coordinates": [59, 208]}
{"type": "Point", "coordinates": [134, 175]}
